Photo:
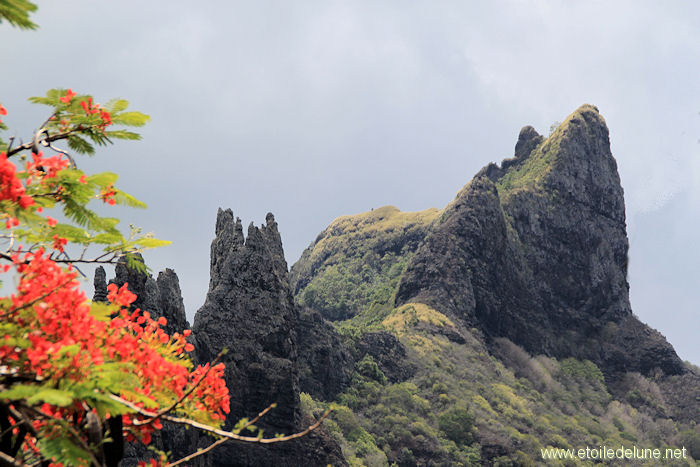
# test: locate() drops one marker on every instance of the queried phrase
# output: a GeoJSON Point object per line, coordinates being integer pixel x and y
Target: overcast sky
{"type": "Point", "coordinates": [312, 110]}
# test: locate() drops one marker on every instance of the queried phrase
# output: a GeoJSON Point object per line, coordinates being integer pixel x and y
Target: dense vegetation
{"type": "Point", "coordinates": [464, 401]}
{"type": "Point", "coordinates": [357, 261]}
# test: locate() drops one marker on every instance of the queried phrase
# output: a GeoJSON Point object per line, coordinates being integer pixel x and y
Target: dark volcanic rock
{"type": "Point", "coordinates": [161, 297]}
{"type": "Point", "coordinates": [536, 251]}
{"type": "Point", "coordinates": [389, 353]}
{"type": "Point", "coordinates": [100, 284]}
{"type": "Point", "coordinates": [324, 363]}
{"type": "Point", "coordinates": [249, 310]}
{"type": "Point", "coordinates": [170, 303]}
{"type": "Point", "coordinates": [528, 140]}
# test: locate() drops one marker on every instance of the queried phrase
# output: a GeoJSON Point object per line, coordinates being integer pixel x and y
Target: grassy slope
{"type": "Point", "coordinates": [358, 260]}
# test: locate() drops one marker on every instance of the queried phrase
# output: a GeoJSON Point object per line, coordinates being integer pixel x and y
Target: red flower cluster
{"type": "Point", "coordinates": [46, 167]}
{"type": "Point", "coordinates": [107, 195]}
{"type": "Point", "coordinates": [93, 109]}
{"type": "Point", "coordinates": [65, 342]}
{"type": "Point", "coordinates": [3, 111]}
{"type": "Point", "coordinates": [11, 187]}
{"type": "Point", "coordinates": [59, 243]}
{"type": "Point", "coordinates": [68, 97]}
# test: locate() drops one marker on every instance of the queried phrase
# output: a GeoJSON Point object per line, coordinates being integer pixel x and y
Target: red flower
{"type": "Point", "coordinates": [59, 243]}
{"type": "Point", "coordinates": [68, 97]}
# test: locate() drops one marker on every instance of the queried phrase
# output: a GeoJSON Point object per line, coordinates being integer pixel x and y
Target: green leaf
{"type": "Point", "coordinates": [51, 396]}
{"type": "Point", "coordinates": [107, 238]}
{"type": "Point", "coordinates": [130, 119]}
{"type": "Point", "coordinates": [16, 12]}
{"type": "Point", "coordinates": [71, 233]}
{"type": "Point", "coordinates": [135, 262]}
{"type": "Point", "coordinates": [102, 311]}
{"type": "Point", "coordinates": [63, 448]}
{"type": "Point", "coordinates": [151, 242]}
{"type": "Point", "coordinates": [18, 392]}
{"type": "Point", "coordinates": [124, 198]}
{"type": "Point", "coordinates": [116, 105]}
{"type": "Point", "coordinates": [123, 134]}
{"type": "Point", "coordinates": [103, 179]}
{"type": "Point", "coordinates": [79, 145]}
{"type": "Point", "coordinates": [51, 98]}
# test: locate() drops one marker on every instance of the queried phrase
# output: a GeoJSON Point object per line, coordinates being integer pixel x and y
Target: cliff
{"type": "Point", "coordinates": [536, 251]}
{"type": "Point", "coordinates": [250, 311]}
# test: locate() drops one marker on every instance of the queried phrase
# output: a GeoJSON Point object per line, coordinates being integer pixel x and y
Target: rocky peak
{"type": "Point", "coordinates": [528, 140]}
{"type": "Point", "coordinates": [536, 251]}
{"type": "Point", "coordinates": [584, 171]}
{"type": "Point", "coordinates": [100, 285]}
{"type": "Point", "coordinates": [249, 311]}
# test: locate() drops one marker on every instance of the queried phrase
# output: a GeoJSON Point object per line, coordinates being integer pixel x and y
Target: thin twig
{"type": "Point", "coordinates": [260, 440]}
{"type": "Point", "coordinates": [199, 452]}
{"type": "Point", "coordinates": [7, 257]}
{"type": "Point", "coordinates": [222, 440]}
{"type": "Point", "coordinates": [50, 139]}
{"type": "Point", "coordinates": [216, 431]}
{"type": "Point", "coordinates": [259, 416]}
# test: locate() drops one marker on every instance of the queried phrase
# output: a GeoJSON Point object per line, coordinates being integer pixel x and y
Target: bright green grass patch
{"type": "Point", "coordinates": [411, 314]}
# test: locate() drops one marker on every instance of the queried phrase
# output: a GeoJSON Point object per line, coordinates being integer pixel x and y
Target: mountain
{"type": "Point", "coordinates": [512, 306]}
{"type": "Point", "coordinates": [477, 334]}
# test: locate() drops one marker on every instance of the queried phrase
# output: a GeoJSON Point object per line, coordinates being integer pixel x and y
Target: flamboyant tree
{"type": "Point", "coordinates": [77, 378]}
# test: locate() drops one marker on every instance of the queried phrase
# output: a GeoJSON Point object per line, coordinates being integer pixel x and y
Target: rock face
{"type": "Point", "coordinates": [536, 251]}
{"type": "Point", "coordinates": [324, 363]}
{"type": "Point", "coordinates": [357, 260]}
{"type": "Point", "coordinates": [249, 310]}
{"type": "Point", "coordinates": [389, 353]}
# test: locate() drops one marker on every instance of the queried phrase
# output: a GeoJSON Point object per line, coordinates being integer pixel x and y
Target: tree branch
{"type": "Point", "coordinates": [216, 431]}
{"type": "Point", "coordinates": [222, 440]}
{"type": "Point", "coordinates": [7, 257]}
{"type": "Point", "coordinates": [8, 461]}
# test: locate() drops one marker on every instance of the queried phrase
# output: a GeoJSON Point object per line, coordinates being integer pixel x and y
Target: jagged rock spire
{"type": "Point", "coordinates": [100, 284]}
